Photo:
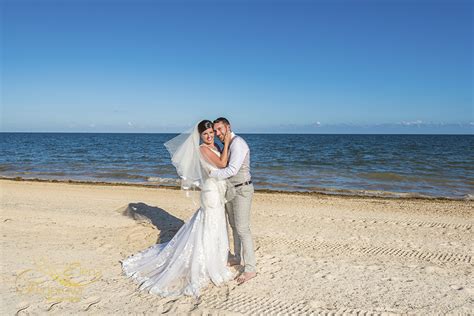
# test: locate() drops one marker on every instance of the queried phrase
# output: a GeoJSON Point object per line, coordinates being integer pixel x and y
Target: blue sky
{"type": "Point", "coordinates": [269, 66]}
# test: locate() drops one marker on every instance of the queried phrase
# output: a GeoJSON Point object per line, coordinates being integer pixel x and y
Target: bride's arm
{"type": "Point", "coordinates": [219, 162]}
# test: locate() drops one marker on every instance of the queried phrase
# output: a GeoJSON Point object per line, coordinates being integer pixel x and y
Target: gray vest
{"type": "Point", "coordinates": [243, 174]}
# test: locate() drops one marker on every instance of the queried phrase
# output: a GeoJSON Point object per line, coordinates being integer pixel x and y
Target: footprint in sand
{"type": "Point", "coordinates": [137, 235]}
{"type": "Point", "coordinates": [43, 307]}
{"type": "Point", "coordinates": [319, 305]}
{"type": "Point", "coordinates": [89, 302]}
{"type": "Point", "coordinates": [374, 267]}
{"type": "Point", "coordinates": [105, 247]}
{"type": "Point", "coordinates": [269, 265]}
{"type": "Point", "coordinates": [434, 270]}
{"type": "Point", "coordinates": [21, 308]}
{"type": "Point", "coordinates": [169, 306]}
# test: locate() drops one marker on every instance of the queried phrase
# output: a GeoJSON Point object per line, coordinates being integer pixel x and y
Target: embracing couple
{"type": "Point", "coordinates": [199, 252]}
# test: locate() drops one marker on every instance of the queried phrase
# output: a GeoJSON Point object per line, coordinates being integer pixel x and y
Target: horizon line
{"type": "Point", "coordinates": [244, 133]}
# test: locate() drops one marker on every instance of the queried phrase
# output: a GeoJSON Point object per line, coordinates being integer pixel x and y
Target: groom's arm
{"type": "Point", "coordinates": [239, 150]}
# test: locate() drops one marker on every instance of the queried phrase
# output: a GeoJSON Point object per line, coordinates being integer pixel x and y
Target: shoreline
{"type": "Point", "coordinates": [343, 193]}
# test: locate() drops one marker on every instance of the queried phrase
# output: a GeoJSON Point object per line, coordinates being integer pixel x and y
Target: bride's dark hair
{"type": "Point", "coordinates": [203, 125]}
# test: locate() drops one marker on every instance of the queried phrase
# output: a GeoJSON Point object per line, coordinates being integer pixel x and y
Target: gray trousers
{"type": "Point", "coordinates": [238, 214]}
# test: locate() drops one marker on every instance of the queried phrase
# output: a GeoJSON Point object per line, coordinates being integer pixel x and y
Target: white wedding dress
{"type": "Point", "coordinates": [196, 255]}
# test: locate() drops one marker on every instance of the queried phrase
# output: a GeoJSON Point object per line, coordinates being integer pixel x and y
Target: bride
{"type": "Point", "coordinates": [198, 252]}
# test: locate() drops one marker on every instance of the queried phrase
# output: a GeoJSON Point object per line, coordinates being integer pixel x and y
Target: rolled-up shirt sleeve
{"type": "Point", "coordinates": [239, 150]}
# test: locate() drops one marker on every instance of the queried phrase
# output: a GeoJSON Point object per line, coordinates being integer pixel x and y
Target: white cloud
{"type": "Point", "coordinates": [130, 124]}
{"type": "Point", "coordinates": [409, 123]}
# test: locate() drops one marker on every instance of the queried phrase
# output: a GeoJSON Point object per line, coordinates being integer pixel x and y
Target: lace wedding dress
{"type": "Point", "coordinates": [196, 255]}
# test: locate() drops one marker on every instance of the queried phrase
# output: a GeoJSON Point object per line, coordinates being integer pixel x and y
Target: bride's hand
{"type": "Point", "coordinates": [227, 137]}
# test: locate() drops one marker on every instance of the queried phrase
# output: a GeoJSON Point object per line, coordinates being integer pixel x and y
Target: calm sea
{"type": "Point", "coordinates": [432, 165]}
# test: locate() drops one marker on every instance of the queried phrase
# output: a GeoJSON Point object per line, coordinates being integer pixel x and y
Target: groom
{"type": "Point", "coordinates": [238, 209]}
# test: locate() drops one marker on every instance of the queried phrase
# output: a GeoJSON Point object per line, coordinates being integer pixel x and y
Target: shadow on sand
{"type": "Point", "coordinates": [166, 223]}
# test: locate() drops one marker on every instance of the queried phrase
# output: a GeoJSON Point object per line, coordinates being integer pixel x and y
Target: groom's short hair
{"type": "Point", "coordinates": [222, 120]}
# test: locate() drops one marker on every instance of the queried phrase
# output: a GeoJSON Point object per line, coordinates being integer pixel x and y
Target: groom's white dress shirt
{"type": "Point", "coordinates": [239, 155]}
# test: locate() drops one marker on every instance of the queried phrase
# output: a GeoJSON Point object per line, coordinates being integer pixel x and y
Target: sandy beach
{"type": "Point", "coordinates": [61, 245]}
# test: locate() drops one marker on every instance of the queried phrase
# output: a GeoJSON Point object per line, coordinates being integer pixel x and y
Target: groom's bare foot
{"type": "Point", "coordinates": [233, 262]}
{"type": "Point", "coordinates": [244, 277]}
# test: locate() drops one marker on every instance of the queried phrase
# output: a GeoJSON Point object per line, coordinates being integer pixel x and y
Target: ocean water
{"type": "Point", "coordinates": [428, 165]}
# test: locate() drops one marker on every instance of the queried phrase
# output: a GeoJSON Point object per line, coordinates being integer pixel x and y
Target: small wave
{"type": "Point", "coordinates": [119, 175]}
{"type": "Point", "coordinates": [6, 167]}
{"type": "Point", "coordinates": [271, 185]}
{"type": "Point", "coordinates": [469, 197]}
{"type": "Point", "coordinates": [384, 176]}
{"type": "Point", "coordinates": [168, 181]}
{"type": "Point", "coordinates": [53, 173]}
{"type": "Point", "coordinates": [379, 193]}
{"type": "Point", "coordinates": [80, 151]}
